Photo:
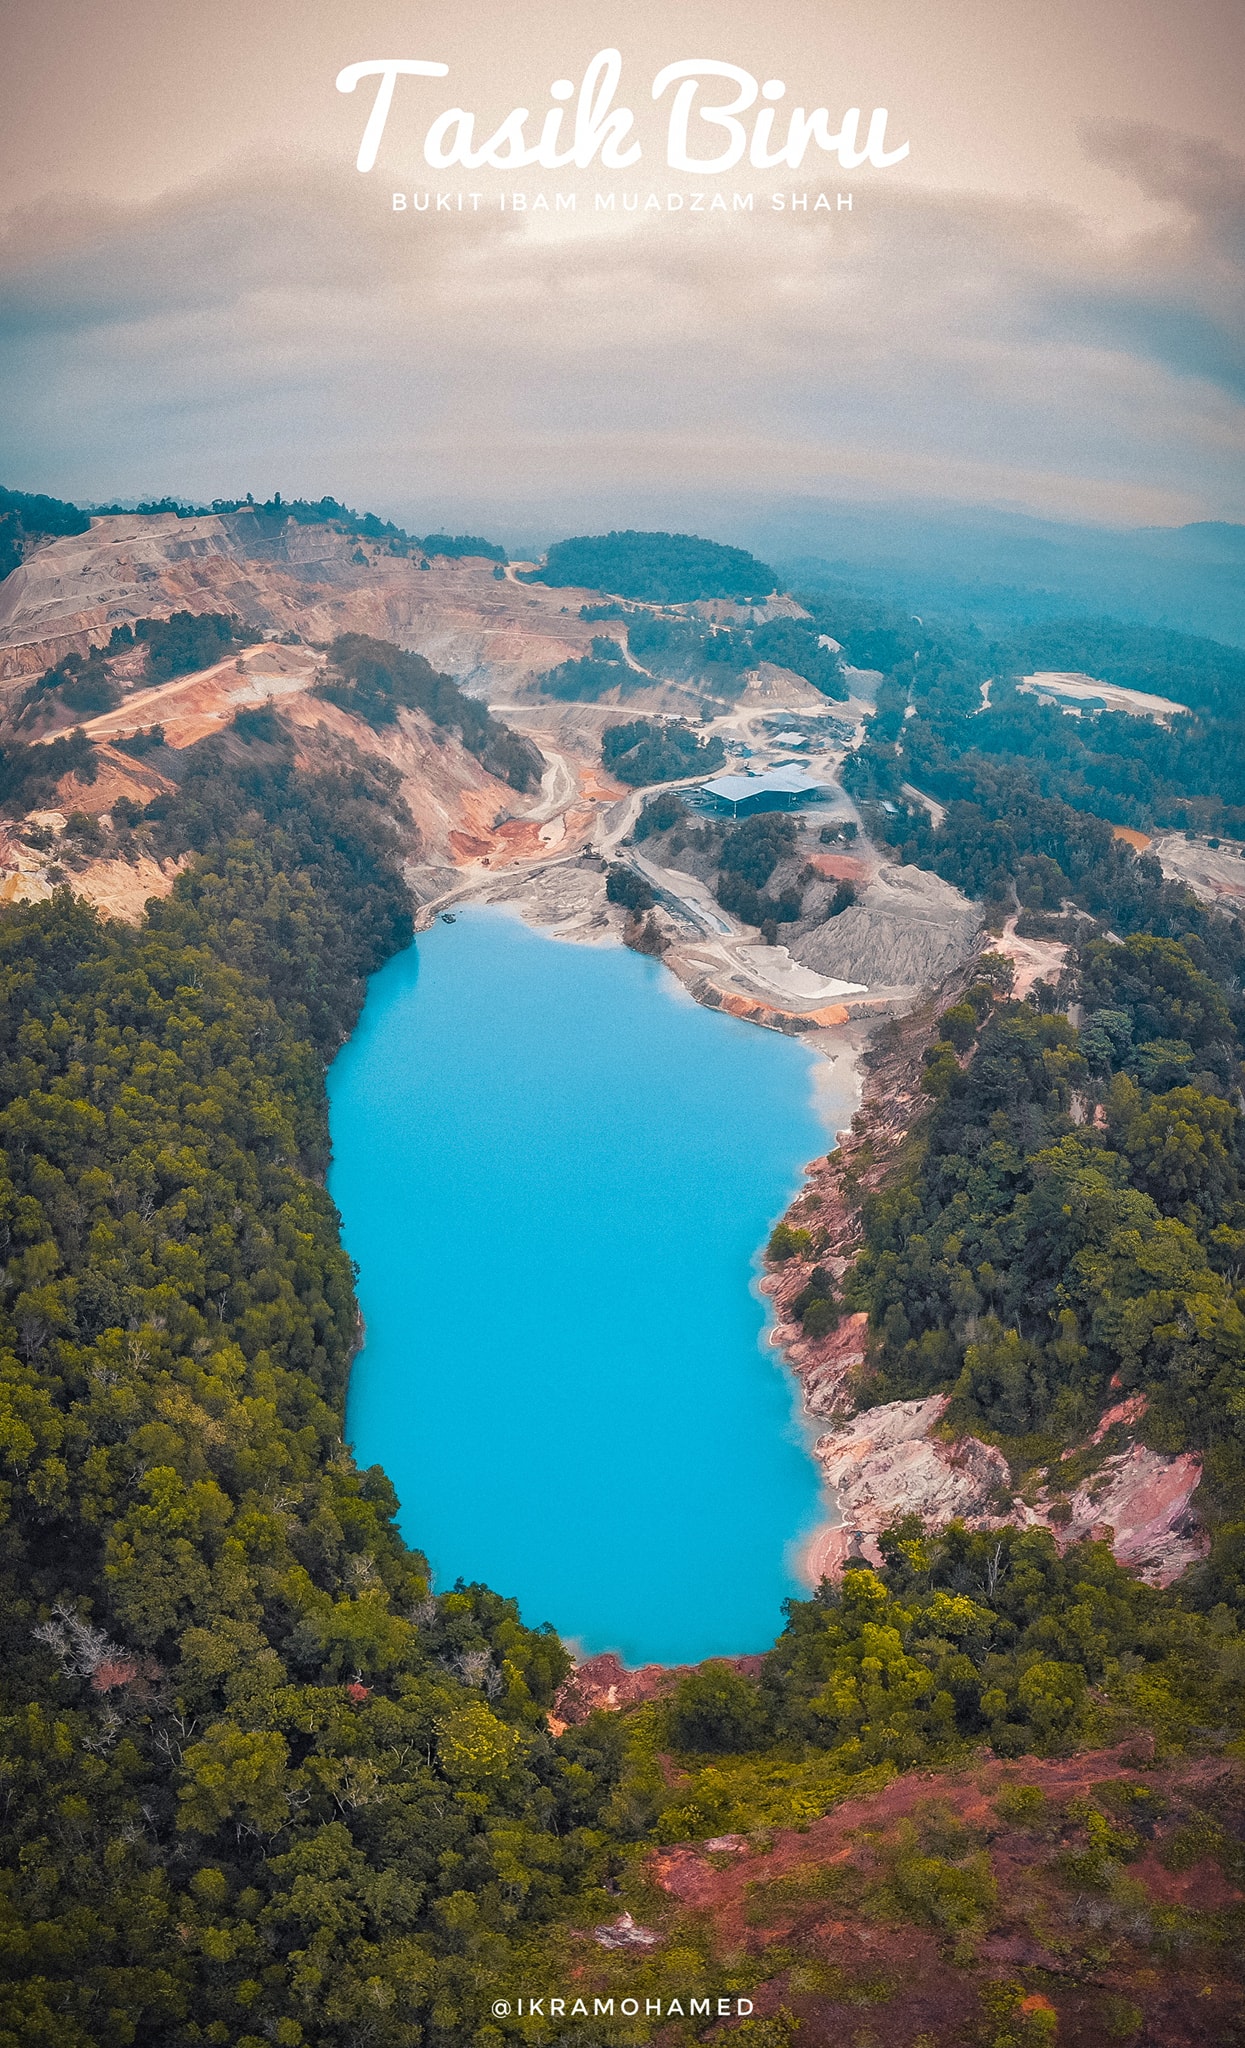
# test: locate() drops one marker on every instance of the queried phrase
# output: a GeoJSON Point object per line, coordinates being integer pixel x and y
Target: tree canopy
{"type": "Point", "coordinates": [656, 568]}
{"type": "Point", "coordinates": [658, 750]}
{"type": "Point", "coordinates": [30, 515]}
{"type": "Point", "coordinates": [373, 680]}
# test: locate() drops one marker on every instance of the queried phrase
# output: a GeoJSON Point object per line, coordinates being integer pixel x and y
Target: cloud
{"type": "Point", "coordinates": [1176, 295]}
{"type": "Point", "coordinates": [280, 329]}
{"type": "Point", "coordinates": [1202, 178]}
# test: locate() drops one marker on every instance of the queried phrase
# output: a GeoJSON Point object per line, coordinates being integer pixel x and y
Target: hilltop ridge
{"type": "Point", "coordinates": [316, 581]}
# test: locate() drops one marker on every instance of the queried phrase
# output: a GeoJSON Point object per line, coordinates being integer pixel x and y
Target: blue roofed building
{"type": "Point", "coordinates": [775, 789]}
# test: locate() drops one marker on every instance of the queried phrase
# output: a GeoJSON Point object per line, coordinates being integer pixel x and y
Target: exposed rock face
{"type": "Point", "coordinates": [308, 579]}
{"type": "Point", "coordinates": [768, 684]}
{"type": "Point", "coordinates": [123, 889]}
{"type": "Point", "coordinates": [625, 1933]}
{"type": "Point", "coordinates": [118, 885]}
{"type": "Point", "coordinates": [604, 1684]}
{"type": "Point", "coordinates": [1128, 1412]}
{"type": "Point", "coordinates": [1215, 873]}
{"type": "Point", "coordinates": [885, 1454]}
{"type": "Point", "coordinates": [828, 1366]}
{"type": "Point", "coordinates": [770, 1016]}
{"type": "Point", "coordinates": [885, 1464]}
{"type": "Point", "coordinates": [460, 814]}
{"type": "Point", "coordinates": [1145, 1500]}
{"type": "Point", "coordinates": [829, 1208]}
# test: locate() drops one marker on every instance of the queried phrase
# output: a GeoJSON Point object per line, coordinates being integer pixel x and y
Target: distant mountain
{"type": "Point", "coordinates": [1002, 566]}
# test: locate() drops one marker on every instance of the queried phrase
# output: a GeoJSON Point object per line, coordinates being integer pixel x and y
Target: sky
{"type": "Point", "coordinates": [1037, 310]}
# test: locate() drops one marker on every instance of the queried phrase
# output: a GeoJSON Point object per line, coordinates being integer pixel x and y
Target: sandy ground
{"type": "Point", "coordinates": [191, 707]}
{"type": "Point", "coordinates": [1216, 874]}
{"type": "Point", "coordinates": [309, 580]}
{"type": "Point", "coordinates": [907, 929]}
{"type": "Point", "coordinates": [1033, 959]}
{"type": "Point", "coordinates": [1074, 689]}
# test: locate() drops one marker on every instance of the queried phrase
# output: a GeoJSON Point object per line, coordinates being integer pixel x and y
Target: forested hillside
{"type": "Point", "coordinates": [374, 680]}
{"type": "Point", "coordinates": [1069, 1226]}
{"type": "Point", "coordinates": [1070, 1229]}
{"type": "Point", "coordinates": [656, 568]}
{"type": "Point", "coordinates": [225, 1684]}
{"type": "Point", "coordinates": [949, 703]}
{"type": "Point", "coordinates": [260, 1784]}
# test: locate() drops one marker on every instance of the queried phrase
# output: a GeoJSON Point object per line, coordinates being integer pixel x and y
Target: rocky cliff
{"type": "Point", "coordinates": [892, 1460]}
{"type": "Point", "coordinates": [455, 810]}
{"type": "Point", "coordinates": [881, 1463]}
{"type": "Point", "coordinates": [311, 580]}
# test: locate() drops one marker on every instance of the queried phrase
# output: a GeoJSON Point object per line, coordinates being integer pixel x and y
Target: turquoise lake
{"type": "Point", "coordinates": [555, 1173]}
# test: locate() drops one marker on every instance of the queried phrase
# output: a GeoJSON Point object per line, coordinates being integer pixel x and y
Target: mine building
{"type": "Point", "coordinates": [775, 789]}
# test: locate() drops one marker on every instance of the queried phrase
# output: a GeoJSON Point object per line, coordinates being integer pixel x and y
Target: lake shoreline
{"type": "Point", "coordinates": [829, 1369]}
{"type": "Point", "coordinates": [840, 1043]}
{"type": "Point", "coordinates": [702, 1135]}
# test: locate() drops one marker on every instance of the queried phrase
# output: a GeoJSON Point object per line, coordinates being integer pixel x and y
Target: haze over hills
{"type": "Point", "coordinates": [997, 565]}
{"type": "Point", "coordinates": [988, 563]}
{"type": "Point", "coordinates": [985, 563]}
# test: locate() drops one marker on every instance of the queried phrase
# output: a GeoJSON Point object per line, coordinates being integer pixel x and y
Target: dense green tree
{"type": "Point", "coordinates": [715, 1708]}
{"type": "Point", "coordinates": [660, 814]}
{"type": "Point", "coordinates": [657, 568]}
{"type": "Point", "coordinates": [587, 680]}
{"type": "Point", "coordinates": [374, 680]}
{"type": "Point", "coordinates": [656, 750]}
{"type": "Point", "coordinates": [27, 516]}
{"type": "Point", "coordinates": [186, 641]}
{"type": "Point", "coordinates": [250, 1762]}
{"type": "Point", "coordinates": [626, 886]}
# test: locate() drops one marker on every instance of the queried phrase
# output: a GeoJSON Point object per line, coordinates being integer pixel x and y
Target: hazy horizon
{"type": "Point", "coordinates": [1038, 313]}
